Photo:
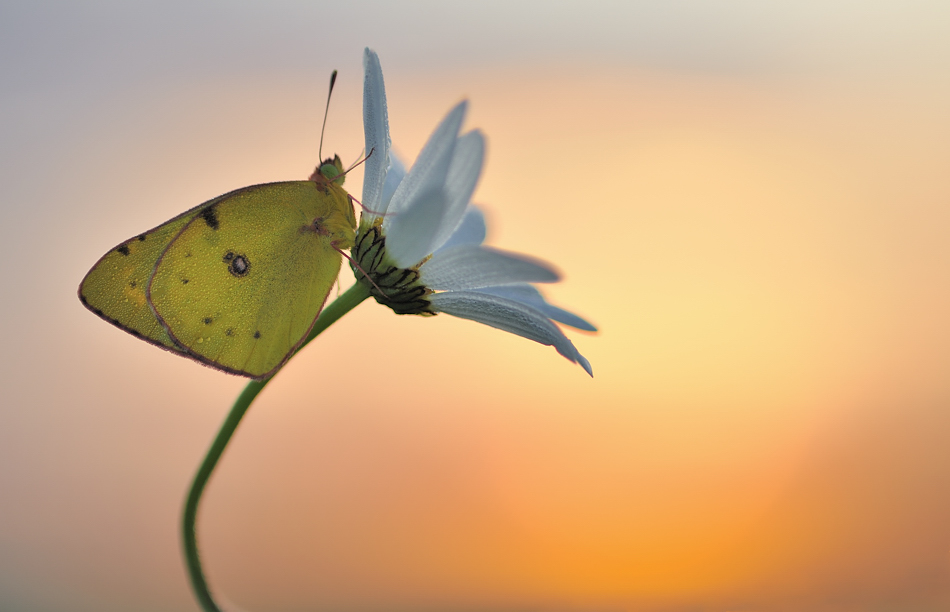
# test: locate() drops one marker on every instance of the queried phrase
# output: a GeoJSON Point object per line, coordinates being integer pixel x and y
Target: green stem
{"type": "Point", "coordinates": [343, 304]}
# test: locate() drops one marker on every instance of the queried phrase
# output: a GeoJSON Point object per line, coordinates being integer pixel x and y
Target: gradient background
{"type": "Point", "coordinates": [750, 199]}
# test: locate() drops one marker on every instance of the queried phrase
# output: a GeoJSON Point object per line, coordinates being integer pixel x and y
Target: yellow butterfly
{"type": "Point", "coordinates": [235, 283]}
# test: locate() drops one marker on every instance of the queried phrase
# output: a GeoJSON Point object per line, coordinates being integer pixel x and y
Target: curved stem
{"type": "Point", "coordinates": [193, 561]}
{"type": "Point", "coordinates": [343, 304]}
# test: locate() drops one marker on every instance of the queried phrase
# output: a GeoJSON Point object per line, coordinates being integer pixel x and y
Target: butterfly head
{"type": "Point", "coordinates": [332, 170]}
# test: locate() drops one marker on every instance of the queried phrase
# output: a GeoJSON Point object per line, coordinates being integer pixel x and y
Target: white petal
{"type": "Point", "coordinates": [376, 132]}
{"type": "Point", "coordinates": [473, 266]}
{"type": "Point", "coordinates": [526, 294]}
{"type": "Point", "coordinates": [463, 175]}
{"type": "Point", "coordinates": [509, 316]}
{"type": "Point", "coordinates": [410, 232]}
{"type": "Point", "coordinates": [432, 166]}
{"type": "Point", "coordinates": [471, 230]}
{"type": "Point", "coordinates": [394, 176]}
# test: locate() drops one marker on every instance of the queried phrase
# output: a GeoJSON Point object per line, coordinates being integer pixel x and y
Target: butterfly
{"type": "Point", "coordinates": [235, 283]}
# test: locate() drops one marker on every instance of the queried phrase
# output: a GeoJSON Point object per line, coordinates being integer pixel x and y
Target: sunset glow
{"type": "Point", "coordinates": [768, 427]}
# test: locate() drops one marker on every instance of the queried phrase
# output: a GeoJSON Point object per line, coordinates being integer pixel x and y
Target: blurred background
{"type": "Point", "coordinates": [751, 200]}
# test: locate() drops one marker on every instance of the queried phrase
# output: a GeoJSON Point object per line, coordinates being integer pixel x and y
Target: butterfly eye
{"type": "Point", "coordinates": [238, 265]}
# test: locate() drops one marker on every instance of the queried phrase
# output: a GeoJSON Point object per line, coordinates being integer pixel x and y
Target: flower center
{"type": "Point", "coordinates": [402, 291]}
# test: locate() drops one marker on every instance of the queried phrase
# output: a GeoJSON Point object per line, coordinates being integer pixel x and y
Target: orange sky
{"type": "Point", "coordinates": [768, 424]}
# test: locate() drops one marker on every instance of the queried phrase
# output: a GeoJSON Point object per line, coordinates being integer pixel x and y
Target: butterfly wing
{"type": "Point", "coordinates": [243, 281]}
{"type": "Point", "coordinates": [114, 288]}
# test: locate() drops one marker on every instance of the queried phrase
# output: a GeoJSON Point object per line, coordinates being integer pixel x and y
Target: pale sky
{"type": "Point", "coordinates": [749, 199]}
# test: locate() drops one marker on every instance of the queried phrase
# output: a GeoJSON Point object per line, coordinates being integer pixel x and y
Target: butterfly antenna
{"type": "Point", "coordinates": [326, 111]}
{"type": "Point", "coordinates": [360, 159]}
{"type": "Point", "coordinates": [358, 162]}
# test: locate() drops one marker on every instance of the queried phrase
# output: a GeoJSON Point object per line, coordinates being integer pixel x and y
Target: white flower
{"type": "Point", "coordinates": [420, 238]}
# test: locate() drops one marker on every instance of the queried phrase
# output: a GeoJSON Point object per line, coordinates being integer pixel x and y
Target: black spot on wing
{"type": "Point", "coordinates": [132, 284]}
{"type": "Point", "coordinates": [238, 265]}
{"type": "Point", "coordinates": [229, 332]}
{"type": "Point", "coordinates": [257, 334]}
{"type": "Point", "coordinates": [211, 217]}
{"type": "Point", "coordinates": [123, 249]}
{"type": "Point", "coordinates": [184, 281]}
{"type": "Point", "coordinates": [141, 237]}
{"type": "Point", "coordinates": [207, 320]}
